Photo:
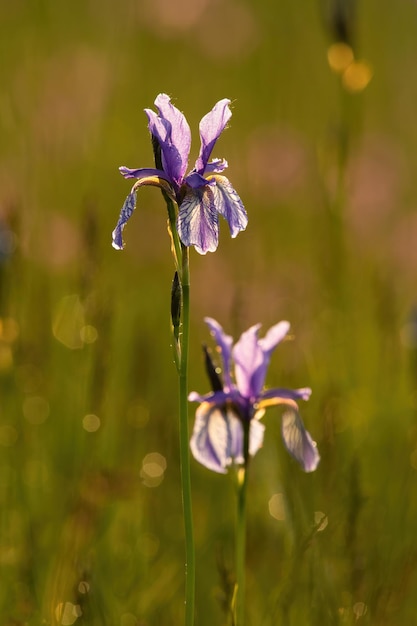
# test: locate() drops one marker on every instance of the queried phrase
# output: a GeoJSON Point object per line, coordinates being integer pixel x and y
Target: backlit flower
{"type": "Point", "coordinates": [217, 439]}
{"type": "Point", "coordinates": [204, 193]}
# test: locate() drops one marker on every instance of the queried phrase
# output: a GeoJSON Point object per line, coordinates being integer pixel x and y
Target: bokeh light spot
{"type": "Point", "coordinates": [153, 468]}
{"type": "Point", "coordinates": [357, 76]}
{"type": "Point", "coordinates": [88, 334]}
{"type": "Point", "coordinates": [276, 506]}
{"type": "Point", "coordinates": [339, 56]}
{"type": "Point", "coordinates": [35, 409]}
{"type": "Point", "coordinates": [91, 423]}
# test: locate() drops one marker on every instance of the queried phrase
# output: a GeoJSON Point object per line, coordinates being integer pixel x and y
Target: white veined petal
{"type": "Point", "coordinates": [298, 441]}
{"type": "Point", "coordinates": [210, 440]}
{"type": "Point", "coordinates": [197, 222]}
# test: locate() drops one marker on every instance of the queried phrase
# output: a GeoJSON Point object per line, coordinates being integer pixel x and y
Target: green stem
{"type": "Point", "coordinates": [241, 532]}
{"type": "Point", "coordinates": [185, 443]}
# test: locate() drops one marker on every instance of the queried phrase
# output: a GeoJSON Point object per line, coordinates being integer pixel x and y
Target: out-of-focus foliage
{"type": "Point", "coordinates": [321, 149]}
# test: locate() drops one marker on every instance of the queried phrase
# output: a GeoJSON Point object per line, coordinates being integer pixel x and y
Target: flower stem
{"type": "Point", "coordinates": [242, 477]}
{"type": "Point", "coordinates": [184, 442]}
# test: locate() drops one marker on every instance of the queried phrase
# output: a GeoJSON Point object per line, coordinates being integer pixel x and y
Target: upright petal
{"type": "Point", "coordinates": [180, 130]}
{"type": "Point", "coordinates": [171, 158]}
{"type": "Point", "coordinates": [211, 127]}
{"type": "Point", "coordinates": [224, 343]}
{"type": "Point", "coordinates": [273, 337]}
{"type": "Point", "coordinates": [248, 358]}
{"type": "Point", "coordinates": [267, 344]}
{"type": "Point", "coordinates": [229, 205]}
{"type": "Point", "coordinates": [197, 222]}
{"type": "Point", "coordinates": [298, 441]}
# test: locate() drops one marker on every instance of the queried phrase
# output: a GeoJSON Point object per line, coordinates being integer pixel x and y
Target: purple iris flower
{"type": "Point", "coordinates": [201, 195]}
{"type": "Point", "coordinates": [217, 439]}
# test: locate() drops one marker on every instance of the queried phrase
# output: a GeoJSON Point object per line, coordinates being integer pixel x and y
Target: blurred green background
{"type": "Point", "coordinates": [324, 160]}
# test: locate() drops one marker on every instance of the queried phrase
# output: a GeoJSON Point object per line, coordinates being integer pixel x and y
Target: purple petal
{"type": "Point", "coordinates": [180, 131]}
{"type": "Point", "coordinates": [224, 343]}
{"type": "Point", "coordinates": [196, 181]}
{"type": "Point", "coordinates": [284, 394]}
{"type": "Point", "coordinates": [126, 212]}
{"type": "Point", "coordinates": [229, 205]}
{"type": "Point", "coordinates": [249, 359]}
{"type": "Point", "coordinates": [171, 158]}
{"type": "Point", "coordinates": [214, 397]}
{"type": "Point", "coordinates": [142, 172]}
{"type": "Point", "coordinates": [197, 222]}
{"type": "Point", "coordinates": [211, 127]}
{"type": "Point", "coordinates": [256, 436]}
{"type": "Point", "coordinates": [298, 441]}
{"type": "Point", "coordinates": [273, 337]}
{"type": "Point", "coordinates": [216, 165]}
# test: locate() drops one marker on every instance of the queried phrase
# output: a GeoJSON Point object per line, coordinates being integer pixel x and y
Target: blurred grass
{"type": "Point", "coordinates": [327, 178]}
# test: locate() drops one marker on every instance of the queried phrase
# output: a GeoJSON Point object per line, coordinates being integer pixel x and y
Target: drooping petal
{"type": "Point", "coordinates": [130, 204]}
{"type": "Point", "coordinates": [271, 397]}
{"type": "Point", "coordinates": [248, 358]}
{"type": "Point", "coordinates": [126, 212]}
{"type": "Point", "coordinates": [180, 130]}
{"type": "Point", "coordinates": [229, 205]}
{"type": "Point", "coordinates": [197, 221]}
{"type": "Point", "coordinates": [256, 438]}
{"type": "Point", "coordinates": [224, 343]}
{"type": "Point", "coordinates": [298, 441]}
{"type": "Point", "coordinates": [142, 172]}
{"type": "Point", "coordinates": [211, 127]}
{"type": "Point", "coordinates": [210, 439]}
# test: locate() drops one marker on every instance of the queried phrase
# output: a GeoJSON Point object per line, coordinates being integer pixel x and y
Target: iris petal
{"type": "Point", "coordinates": [197, 222]}
{"type": "Point", "coordinates": [298, 441]}
{"type": "Point", "coordinates": [125, 214]}
{"type": "Point", "coordinates": [225, 343]}
{"type": "Point", "coordinates": [211, 127]}
{"type": "Point", "coordinates": [229, 205]}
{"type": "Point", "coordinates": [210, 440]}
{"type": "Point", "coordinates": [180, 132]}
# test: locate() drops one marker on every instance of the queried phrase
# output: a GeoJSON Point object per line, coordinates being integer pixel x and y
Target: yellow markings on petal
{"type": "Point", "coordinates": [264, 404]}
{"type": "Point", "coordinates": [155, 181]}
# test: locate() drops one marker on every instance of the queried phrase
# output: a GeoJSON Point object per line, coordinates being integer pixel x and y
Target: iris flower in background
{"type": "Point", "coordinates": [217, 439]}
{"type": "Point", "coordinates": [202, 194]}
